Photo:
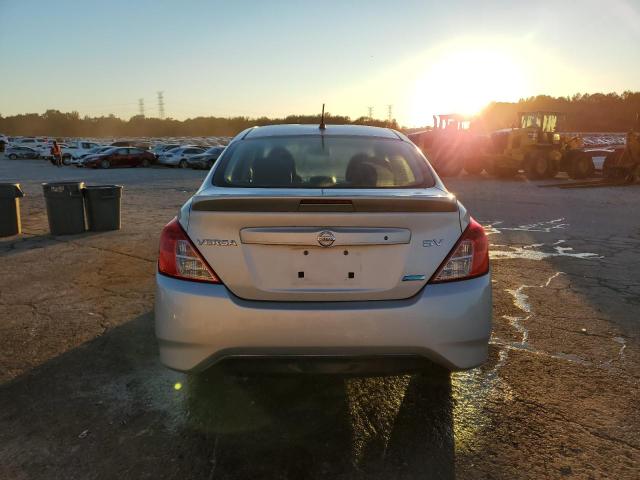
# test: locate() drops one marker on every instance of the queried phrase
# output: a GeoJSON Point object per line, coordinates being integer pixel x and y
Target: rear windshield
{"type": "Point", "coordinates": [322, 162]}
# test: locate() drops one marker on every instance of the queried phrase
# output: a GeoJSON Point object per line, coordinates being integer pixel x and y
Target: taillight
{"type": "Point", "coordinates": [469, 258]}
{"type": "Point", "coordinates": [180, 258]}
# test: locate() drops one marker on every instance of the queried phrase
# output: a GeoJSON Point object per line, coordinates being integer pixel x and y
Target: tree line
{"type": "Point", "coordinates": [596, 112]}
{"type": "Point", "coordinates": [54, 123]}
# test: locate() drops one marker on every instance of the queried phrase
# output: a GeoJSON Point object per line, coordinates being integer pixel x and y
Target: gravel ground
{"type": "Point", "coordinates": [84, 396]}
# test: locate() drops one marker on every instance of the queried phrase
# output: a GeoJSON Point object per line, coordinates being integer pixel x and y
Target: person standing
{"type": "Point", "coordinates": [57, 154]}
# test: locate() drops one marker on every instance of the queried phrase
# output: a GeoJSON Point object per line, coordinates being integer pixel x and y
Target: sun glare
{"type": "Point", "coordinates": [461, 79]}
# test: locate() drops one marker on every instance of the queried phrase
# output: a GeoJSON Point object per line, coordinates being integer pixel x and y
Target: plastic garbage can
{"type": "Point", "coordinates": [10, 195]}
{"type": "Point", "coordinates": [103, 207]}
{"type": "Point", "coordinates": [65, 207]}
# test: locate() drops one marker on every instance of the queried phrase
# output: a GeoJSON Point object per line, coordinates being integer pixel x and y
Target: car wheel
{"type": "Point", "coordinates": [145, 162]}
{"type": "Point", "coordinates": [13, 156]}
{"type": "Point", "coordinates": [66, 160]}
{"type": "Point", "coordinates": [183, 164]}
{"type": "Point", "coordinates": [105, 163]}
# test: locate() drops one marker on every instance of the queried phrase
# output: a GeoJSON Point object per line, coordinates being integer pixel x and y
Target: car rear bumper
{"type": "Point", "coordinates": [198, 325]}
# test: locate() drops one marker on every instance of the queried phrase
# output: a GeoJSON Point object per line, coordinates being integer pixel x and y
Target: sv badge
{"type": "Point", "coordinates": [432, 243]}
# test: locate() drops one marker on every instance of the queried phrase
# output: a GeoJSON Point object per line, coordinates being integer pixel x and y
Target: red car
{"type": "Point", "coordinates": [120, 157]}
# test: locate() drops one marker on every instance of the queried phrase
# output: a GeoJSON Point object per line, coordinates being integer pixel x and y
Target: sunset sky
{"type": "Point", "coordinates": [273, 58]}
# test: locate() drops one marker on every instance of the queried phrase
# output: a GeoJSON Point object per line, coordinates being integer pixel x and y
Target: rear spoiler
{"type": "Point", "coordinates": [338, 205]}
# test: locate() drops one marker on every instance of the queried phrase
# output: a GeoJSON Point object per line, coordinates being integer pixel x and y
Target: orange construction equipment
{"type": "Point", "coordinates": [448, 145]}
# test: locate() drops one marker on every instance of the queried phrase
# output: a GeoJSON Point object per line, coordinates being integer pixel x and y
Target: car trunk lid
{"type": "Point", "coordinates": [324, 245]}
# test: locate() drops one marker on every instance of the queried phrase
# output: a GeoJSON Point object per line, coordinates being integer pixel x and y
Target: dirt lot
{"type": "Point", "coordinates": [84, 396]}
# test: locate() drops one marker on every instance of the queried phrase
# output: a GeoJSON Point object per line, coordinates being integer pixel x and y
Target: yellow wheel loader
{"type": "Point", "coordinates": [535, 147]}
{"type": "Point", "coordinates": [625, 163]}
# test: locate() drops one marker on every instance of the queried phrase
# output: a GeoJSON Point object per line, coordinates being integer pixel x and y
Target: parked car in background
{"type": "Point", "coordinates": [177, 157]}
{"type": "Point", "coordinates": [163, 148]}
{"type": "Point", "coordinates": [119, 157]}
{"type": "Point", "coordinates": [142, 145]}
{"type": "Point", "coordinates": [14, 152]}
{"type": "Point", "coordinates": [29, 142]}
{"type": "Point", "coordinates": [330, 244]}
{"type": "Point", "coordinates": [45, 149]}
{"type": "Point", "coordinates": [204, 161]}
{"type": "Point", "coordinates": [76, 149]}
{"type": "Point", "coordinates": [94, 151]}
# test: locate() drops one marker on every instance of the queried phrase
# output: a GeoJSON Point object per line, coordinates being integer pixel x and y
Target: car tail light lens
{"type": "Point", "coordinates": [179, 257]}
{"type": "Point", "coordinates": [469, 258]}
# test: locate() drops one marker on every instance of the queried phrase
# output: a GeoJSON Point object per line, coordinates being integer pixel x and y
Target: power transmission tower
{"type": "Point", "coordinates": [141, 106]}
{"type": "Point", "coordinates": [370, 112]}
{"type": "Point", "coordinates": [389, 112]}
{"type": "Point", "coordinates": [161, 104]}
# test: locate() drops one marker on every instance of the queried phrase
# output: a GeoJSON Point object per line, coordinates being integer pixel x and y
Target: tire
{"type": "Point", "coordinates": [448, 169]}
{"type": "Point", "coordinates": [505, 172]}
{"type": "Point", "coordinates": [13, 156]}
{"type": "Point", "coordinates": [105, 163]}
{"type": "Point", "coordinates": [145, 163]}
{"type": "Point", "coordinates": [553, 169]}
{"type": "Point", "coordinates": [500, 171]}
{"type": "Point", "coordinates": [66, 160]}
{"type": "Point", "coordinates": [581, 166]}
{"type": "Point", "coordinates": [473, 165]}
{"type": "Point", "coordinates": [537, 166]}
{"type": "Point", "coordinates": [183, 164]}
{"type": "Point", "coordinates": [610, 167]}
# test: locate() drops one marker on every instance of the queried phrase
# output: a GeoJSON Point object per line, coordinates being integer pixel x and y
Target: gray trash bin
{"type": "Point", "coordinates": [10, 195]}
{"type": "Point", "coordinates": [65, 207]}
{"type": "Point", "coordinates": [103, 207]}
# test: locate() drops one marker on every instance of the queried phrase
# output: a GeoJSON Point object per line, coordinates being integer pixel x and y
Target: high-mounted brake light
{"type": "Point", "coordinates": [180, 258]}
{"type": "Point", "coordinates": [469, 257]}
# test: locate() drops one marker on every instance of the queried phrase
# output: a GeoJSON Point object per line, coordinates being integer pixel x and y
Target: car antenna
{"type": "Point", "coordinates": [322, 125]}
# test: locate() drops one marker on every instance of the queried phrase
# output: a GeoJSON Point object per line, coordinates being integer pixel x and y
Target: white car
{"type": "Point", "coordinates": [328, 245]}
{"type": "Point", "coordinates": [177, 157]}
{"type": "Point", "coordinates": [79, 160]}
{"type": "Point", "coordinates": [161, 148]}
{"type": "Point", "coordinates": [32, 142]}
{"type": "Point", "coordinates": [77, 149]}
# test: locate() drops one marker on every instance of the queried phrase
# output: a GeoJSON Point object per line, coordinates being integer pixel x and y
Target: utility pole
{"type": "Point", "coordinates": [161, 104]}
{"type": "Point", "coordinates": [141, 106]}
{"type": "Point", "coordinates": [370, 109]}
{"type": "Point", "coordinates": [389, 112]}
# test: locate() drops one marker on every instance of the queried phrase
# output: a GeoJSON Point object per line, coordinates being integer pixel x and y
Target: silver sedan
{"type": "Point", "coordinates": [321, 247]}
{"type": "Point", "coordinates": [178, 157]}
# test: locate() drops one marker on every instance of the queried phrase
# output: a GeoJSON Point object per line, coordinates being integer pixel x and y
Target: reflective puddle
{"type": "Point", "coordinates": [495, 227]}
{"type": "Point", "coordinates": [537, 251]}
{"type": "Point", "coordinates": [534, 251]}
